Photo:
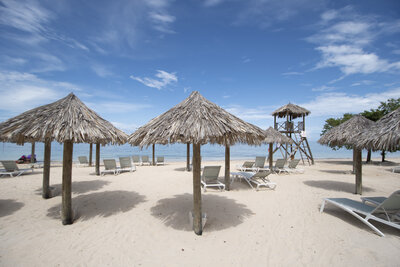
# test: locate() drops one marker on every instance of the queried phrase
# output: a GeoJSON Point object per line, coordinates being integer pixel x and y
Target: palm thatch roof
{"type": "Point", "coordinates": [67, 119]}
{"type": "Point", "coordinates": [197, 120]}
{"type": "Point", "coordinates": [383, 135]}
{"type": "Point", "coordinates": [273, 136]}
{"type": "Point", "coordinates": [344, 133]}
{"type": "Point", "coordinates": [292, 110]}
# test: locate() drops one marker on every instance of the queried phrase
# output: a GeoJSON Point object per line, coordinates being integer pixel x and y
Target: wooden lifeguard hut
{"type": "Point", "coordinates": [294, 128]}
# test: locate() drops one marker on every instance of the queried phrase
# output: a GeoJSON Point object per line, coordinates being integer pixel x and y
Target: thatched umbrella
{"type": "Point", "coordinates": [383, 135]}
{"type": "Point", "coordinates": [198, 121]}
{"type": "Point", "coordinates": [274, 136]}
{"type": "Point", "coordinates": [293, 110]}
{"type": "Point", "coordinates": [66, 121]}
{"type": "Point", "coordinates": [344, 134]}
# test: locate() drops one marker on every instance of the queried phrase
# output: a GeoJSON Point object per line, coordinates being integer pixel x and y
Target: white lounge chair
{"type": "Point", "coordinates": [259, 164]}
{"type": "Point", "coordinates": [279, 166]}
{"type": "Point", "coordinates": [126, 164]}
{"type": "Point", "coordinates": [258, 178]}
{"type": "Point", "coordinates": [246, 166]}
{"type": "Point", "coordinates": [110, 166]}
{"type": "Point", "coordinates": [145, 160]}
{"type": "Point", "coordinates": [136, 159]}
{"type": "Point", "coordinates": [160, 161]}
{"type": "Point", "coordinates": [209, 178]}
{"type": "Point", "coordinates": [11, 169]}
{"type": "Point", "coordinates": [386, 212]}
{"type": "Point", "coordinates": [292, 167]}
{"type": "Point", "coordinates": [83, 161]}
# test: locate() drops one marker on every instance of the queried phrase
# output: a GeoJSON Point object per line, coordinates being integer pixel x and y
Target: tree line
{"type": "Point", "coordinates": [372, 114]}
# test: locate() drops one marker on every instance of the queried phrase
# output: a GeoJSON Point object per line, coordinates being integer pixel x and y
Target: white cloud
{"type": "Point", "coordinates": [292, 73]}
{"type": "Point", "coordinates": [23, 91]}
{"type": "Point", "coordinates": [212, 2]}
{"type": "Point", "coordinates": [47, 62]}
{"type": "Point", "coordinates": [363, 82]}
{"type": "Point", "coordinates": [336, 104]}
{"type": "Point", "coordinates": [164, 79]}
{"type": "Point", "coordinates": [101, 70]}
{"type": "Point", "coordinates": [128, 128]}
{"type": "Point", "coordinates": [351, 60]}
{"type": "Point", "coordinates": [250, 114]}
{"type": "Point", "coordinates": [33, 20]}
{"type": "Point", "coordinates": [116, 107]}
{"type": "Point", "coordinates": [323, 88]}
{"type": "Point", "coordinates": [344, 38]}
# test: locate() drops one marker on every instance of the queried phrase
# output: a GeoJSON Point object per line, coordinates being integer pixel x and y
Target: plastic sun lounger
{"type": "Point", "coordinates": [126, 164]}
{"type": "Point", "coordinates": [386, 212]}
{"type": "Point", "coordinates": [259, 164]}
{"type": "Point", "coordinates": [83, 161]}
{"type": "Point", "coordinates": [160, 161]}
{"type": "Point", "coordinates": [136, 159]}
{"type": "Point", "coordinates": [209, 178]}
{"type": "Point", "coordinates": [279, 166]}
{"type": "Point", "coordinates": [292, 167]}
{"type": "Point", "coordinates": [246, 166]}
{"type": "Point", "coordinates": [11, 169]}
{"type": "Point", "coordinates": [145, 159]}
{"type": "Point", "coordinates": [258, 178]}
{"type": "Point", "coordinates": [110, 166]}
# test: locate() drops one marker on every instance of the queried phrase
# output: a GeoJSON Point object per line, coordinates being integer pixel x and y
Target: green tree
{"type": "Point", "coordinates": [333, 122]}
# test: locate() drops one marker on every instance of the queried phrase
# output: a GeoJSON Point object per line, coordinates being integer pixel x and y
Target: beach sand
{"type": "Point", "coordinates": [141, 219]}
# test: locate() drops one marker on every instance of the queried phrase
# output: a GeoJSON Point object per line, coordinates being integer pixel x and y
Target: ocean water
{"type": "Point", "coordinates": [173, 152]}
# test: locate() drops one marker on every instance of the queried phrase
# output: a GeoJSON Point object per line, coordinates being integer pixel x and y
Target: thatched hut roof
{"type": "Point", "coordinates": [67, 119]}
{"type": "Point", "coordinates": [273, 136]}
{"type": "Point", "coordinates": [344, 133]}
{"type": "Point", "coordinates": [383, 135]}
{"type": "Point", "coordinates": [292, 110]}
{"type": "Point", "coordinates": [196, 120]}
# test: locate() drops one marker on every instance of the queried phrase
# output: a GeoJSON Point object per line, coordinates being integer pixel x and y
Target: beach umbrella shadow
{"type": "Point", "coordinates": [102, 204]}
{"type": "Point", "coordinates": [77, 187]}
{"type": "Point", "coordinates": [336, 186]}
{"type": "Point", "coordinates": [9, 206]}
{"type": "Point", "coordinates": [222, 212]}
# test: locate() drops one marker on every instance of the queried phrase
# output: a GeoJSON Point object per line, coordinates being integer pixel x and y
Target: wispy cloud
{"type": "Point", "coordinates": [343, 40]}
{"type": "Point", "coordinates": [363, 82]}
{"type": "Point", "coordinates": [101, 70]}
{"type": "Point", "coordinates": [291, 73]}
{"type": "Point", "coordinates": [323, 88]}
{"type": "Point", "coordinates": [22, 91]}
{"type": "Point", "coordinates": [126, 127]}
{"type": "Point", "coordinates": [163, 79]}
{"type": "Point", "coordinates": [250, 114]}
{"type": "Point", "coordinates": [33, 21]}
{"type": "Point", "coordinates": [335, 104]}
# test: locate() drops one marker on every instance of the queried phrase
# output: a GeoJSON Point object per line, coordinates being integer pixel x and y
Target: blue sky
{"type": "Point", "coordinates": [132, 60]}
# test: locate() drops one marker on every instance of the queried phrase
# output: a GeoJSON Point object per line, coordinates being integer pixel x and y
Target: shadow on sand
{"type": "Point", "coordinates": [77, 187]}
{"type": "Point", "coordinates": [336, 186]}
{"type": "Point", "coordinates": [338, 171]}
{"type": "Point", "coordinates": [222, 212]}
{"type": "Point", "coordinates": [9, 206]}
{"type": "Point", "coordinates": [103, 204]}
{"type": "Point", "coordinates": [182, 169]}
{"type": "Point", "coordinates": [350, 219]}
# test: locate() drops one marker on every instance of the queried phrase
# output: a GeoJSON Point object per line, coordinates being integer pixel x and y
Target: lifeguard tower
{"type": "Point", "coordinates": [295, 130]}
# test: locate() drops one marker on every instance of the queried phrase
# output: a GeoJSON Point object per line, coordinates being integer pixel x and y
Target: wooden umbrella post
{"type": "Point", "coordinates": [90, 154]}
{"type": "Point", "coordinates": [98, 159]}
{"type": "Point", "coordinates": [33, 153]}
{"type": "Point", "coordinates": [154, 149]}
{"type": "Point", "coordinates": [188, 157]}
{"type": "Point", "coordinates": [358, 169]}
{"type": "Point", "coordinates": [227, 168]}
{"type": "Point", "coordinates": [197, 214]}
{"type": "Point", "coordinates": [271, 154]}
{"type": "Point", "coordinates": [66, 211]}
{"type": "Point", "coordinates": [46, 170]}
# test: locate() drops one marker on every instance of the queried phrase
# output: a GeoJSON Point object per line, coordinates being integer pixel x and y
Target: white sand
{"type": "Point", "coordinates": [141, 219]}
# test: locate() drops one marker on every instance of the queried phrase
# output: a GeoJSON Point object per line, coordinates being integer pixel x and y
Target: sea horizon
{"type": "Point", "coordinates": [173, 152]}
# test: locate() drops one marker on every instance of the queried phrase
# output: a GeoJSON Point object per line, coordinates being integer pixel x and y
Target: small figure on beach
{"type": "Point", "coordinates": [24, 159]}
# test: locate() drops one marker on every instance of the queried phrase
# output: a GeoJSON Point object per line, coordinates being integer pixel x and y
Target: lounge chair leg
{"type": "Point", "coordinates": [322, 207]}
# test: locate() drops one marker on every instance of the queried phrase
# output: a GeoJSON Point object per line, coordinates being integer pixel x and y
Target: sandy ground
{"type": "Point", "coordinates": [141, 219]}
